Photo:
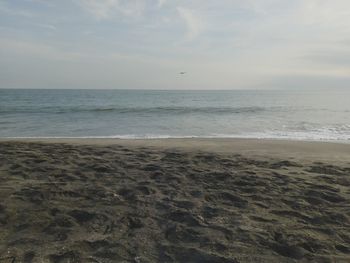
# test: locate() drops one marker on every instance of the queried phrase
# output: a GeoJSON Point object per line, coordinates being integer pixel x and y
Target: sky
{"type": "Point", "coordinates": [144, 44]}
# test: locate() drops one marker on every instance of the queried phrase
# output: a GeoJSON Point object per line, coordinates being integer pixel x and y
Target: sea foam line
{"type": "Point", "coordinates": [280, 136]}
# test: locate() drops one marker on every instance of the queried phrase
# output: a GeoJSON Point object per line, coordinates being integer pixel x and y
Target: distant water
{"type": "Point", "coordinates": [305, 115]}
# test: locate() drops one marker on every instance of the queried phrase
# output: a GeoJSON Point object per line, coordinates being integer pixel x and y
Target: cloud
{"type": "Point", "coordinates": [161, 3]}
{"type": "Point", "coordinates": [244, 42]}
{"type": "Point", "coordinates": [193, 23]}
{"type": "Point", "coordinates": [324, 12]}
{"type": "Point", "coordinates": [106, 9]}
{"type": "Point", "coordinates": [47, 26]}
{"type": "Point", "coordinates": [18, 48]}
{"type": "Point", "coordinates": [100, 9]}
{"type": "Point", "coordinates": [338, 58]}
{"type": "Point", "coordinates": [6, 9]}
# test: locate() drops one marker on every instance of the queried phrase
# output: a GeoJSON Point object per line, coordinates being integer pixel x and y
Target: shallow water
{"type": "Point", "coordinates": [306, 115]}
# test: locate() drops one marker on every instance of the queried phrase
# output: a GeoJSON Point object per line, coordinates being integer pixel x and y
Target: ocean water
{"type": "Point", "coordinates": [304, 115]}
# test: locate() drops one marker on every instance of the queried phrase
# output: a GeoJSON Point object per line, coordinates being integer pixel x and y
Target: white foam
{"type": "Point", "coordinates": [278, 135]}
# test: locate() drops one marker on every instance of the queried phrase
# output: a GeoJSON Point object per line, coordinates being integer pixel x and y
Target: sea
{"type": "Point", "coordinates": [139, 114]}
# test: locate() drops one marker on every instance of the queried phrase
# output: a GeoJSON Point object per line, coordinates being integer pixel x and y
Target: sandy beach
{"type": "Point", "coordinates": [174, 200]}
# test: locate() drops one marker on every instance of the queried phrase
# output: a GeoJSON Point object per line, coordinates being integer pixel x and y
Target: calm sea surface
{"type": "Point", "coordinates": [307, 115]}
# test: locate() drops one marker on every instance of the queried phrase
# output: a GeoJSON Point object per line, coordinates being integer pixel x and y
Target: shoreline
{"type": "Point", "coordinates": [299, 149]}
{"type": "Point", "coordinates": [23, 138]}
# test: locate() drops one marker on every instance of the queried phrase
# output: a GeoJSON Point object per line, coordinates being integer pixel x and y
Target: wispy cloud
{"type": "Point", "coordinates": [38, 50]}
{"type": "Point", "coordinates": [106, 9]}
{"type": "Point", "coordinates": [47, 26]}
{"type": "Point", "coordinates": [161, 3]}
{"type": "Point", "coordinates": [194, 24]}
{"type": "Point", "coordinates": [6, 9]}
{"type": "Point", "coordinates": [100, 9]}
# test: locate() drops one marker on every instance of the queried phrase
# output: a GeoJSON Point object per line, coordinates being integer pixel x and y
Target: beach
{"type": "Point", "coordinates": [174, 200]}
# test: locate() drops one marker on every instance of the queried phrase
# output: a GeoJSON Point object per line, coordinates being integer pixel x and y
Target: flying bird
{"type": "Point", "coordinates": [182, 73]}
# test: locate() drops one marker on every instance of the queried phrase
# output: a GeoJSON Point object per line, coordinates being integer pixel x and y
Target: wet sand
{"type": "Point", "coordinates": [188, 200]}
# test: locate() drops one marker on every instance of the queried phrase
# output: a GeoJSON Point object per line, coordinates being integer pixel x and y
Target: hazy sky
{"type": "Point", "coordinates": [144, 44]}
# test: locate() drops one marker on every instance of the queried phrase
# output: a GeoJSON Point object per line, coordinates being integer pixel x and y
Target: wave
{"type": "Point", "coordinates": [139, 110]}
{"type": "Point", "coordinates": [176, 110]}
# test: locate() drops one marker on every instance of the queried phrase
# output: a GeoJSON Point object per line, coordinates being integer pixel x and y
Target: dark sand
{"type": "Point", "coordinates": [174, 201]}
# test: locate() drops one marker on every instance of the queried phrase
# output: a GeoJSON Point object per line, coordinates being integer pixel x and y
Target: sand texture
{"type": "Point", "coordinates": [131, 203]}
